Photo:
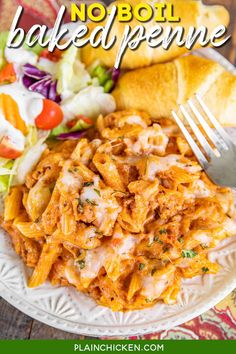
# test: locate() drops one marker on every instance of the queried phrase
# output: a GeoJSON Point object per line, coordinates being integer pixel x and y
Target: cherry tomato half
{"type": "Point", "coordinates": [55, 56]}
{"type": "Point", "coordinates": [50, 117]}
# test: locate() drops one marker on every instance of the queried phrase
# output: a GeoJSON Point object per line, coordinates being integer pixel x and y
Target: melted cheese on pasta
{"type": "Point", "coordinates": [136, 120]}
{"type": "Point", "coordinates": [161, 164]}
{"type": "Point", "coordinates": [131, 214]}
{"type": "Point", "coordinates": [70, 181]}
{"type": "Point", "coordinates": [153, 288]}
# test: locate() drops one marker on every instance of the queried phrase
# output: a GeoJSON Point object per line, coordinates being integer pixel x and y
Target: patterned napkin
{"type": "Point", "coordinates": [218, 323]}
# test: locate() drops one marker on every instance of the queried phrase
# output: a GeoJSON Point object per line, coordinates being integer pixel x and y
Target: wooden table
{"type": "Point", "coordinates": [16, 325]}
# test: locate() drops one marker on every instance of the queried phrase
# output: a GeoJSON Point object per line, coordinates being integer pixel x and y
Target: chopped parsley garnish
{"type": "Point", "coordinates": [141, 266]}
{"type": "Point", "coordinates": [157, 239]}
{"type": "Point", "coordinates": [91, 202]}
{"type": "Point", "coordinates": [204, 246]}
{"type": "Point", "coordinates": [205, 269]}
{"type": "Point", "coordinates": [162, 231]}
{"type": "Point", "coordinates": [153, 271]}
{"type": "Point", "coordinates": [75, 169]}
{"type": "Point", "coordinates": [81, 264]}
{"type": "Point", "coordinates": [88, 184]}
{"type": "Point", "coordinates": [97, 191]}
{"type": "Point", "coordinates": [181, 239]}
{"type": "Point", "coordinates": [80, 206]}
{"type": "Point", "coordinates": [189, 254]}
{"type": "Point", "coordinates": [148, 300]}
{"type": "Point", "coordinates": [166, 248]}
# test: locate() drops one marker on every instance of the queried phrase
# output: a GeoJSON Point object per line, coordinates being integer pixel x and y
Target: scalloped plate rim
{"type": "Point", "coordinates": [116, 332]}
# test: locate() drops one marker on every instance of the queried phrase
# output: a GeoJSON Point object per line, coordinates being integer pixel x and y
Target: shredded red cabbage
{"type": "Point", "coordinates": [39, 81]}
{"type": "Point", "coordinates": [34, 72]}
{"type": "Point", "coordinates": [70, 136]}
{"type": "Point", "coordinates": [52, 93]}
{"type": "Point", "coordinates": [115, 74]}
{"type": "Point", "coordinates": [27, 81]}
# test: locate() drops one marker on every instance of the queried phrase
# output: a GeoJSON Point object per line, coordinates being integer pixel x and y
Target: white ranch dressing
{"type": "Point", "coordinates": [20, 56]}
{"type": "Point", "coordinates": [17, 139]}
{"type": "Point", "coordinates": [30, 104]}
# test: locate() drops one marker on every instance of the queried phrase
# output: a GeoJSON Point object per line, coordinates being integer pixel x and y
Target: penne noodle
{"type": "Point", "coordinates": [29, 230]}
{"type": "Point", "coordinates": [134, 286]}
{"type": "Point", "coordinates": [109, 171]}
{"type": "Point", "coordinates": [47, 258]}
{"type": "Point", "coordinates": [13, 204]}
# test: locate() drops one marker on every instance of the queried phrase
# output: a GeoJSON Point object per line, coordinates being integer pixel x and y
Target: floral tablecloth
{"type": "Point", "coordinates": [217, 323]}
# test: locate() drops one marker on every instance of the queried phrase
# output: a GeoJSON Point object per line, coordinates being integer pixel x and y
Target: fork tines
{"type": "Point", "coordinates": [195, 118]}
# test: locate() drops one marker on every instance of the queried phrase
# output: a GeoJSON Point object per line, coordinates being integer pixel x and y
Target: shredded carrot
{"type": "Point", "coordinates": [11, 112]}
{"type": "Point", "coordinates": [7, 74]}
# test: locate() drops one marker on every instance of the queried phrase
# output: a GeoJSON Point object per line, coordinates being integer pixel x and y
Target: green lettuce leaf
{"type": "Point", "coordinates": [72, 75]}
{"type": "Point", "coordinates": [61, 129]}
{"type": "Point", "coordinates": [4, 180]}
{"type": "Point", "coordinates": [6, 175]}
{"type": "Point", "coordinates": [80, 125]}
{"type": "Point", "coordinates": [3, 42]}
{"type": "Point", "coordinates": [33, 150]}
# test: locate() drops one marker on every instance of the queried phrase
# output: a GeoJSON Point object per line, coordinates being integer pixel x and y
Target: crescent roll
{"type": "Point", "coordinates": [160, 88]}
{"type": "Point", "coordinates": [191, 13]}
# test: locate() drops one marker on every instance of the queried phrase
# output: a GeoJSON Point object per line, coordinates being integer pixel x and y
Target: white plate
{"type": "Point", "coordinates": [74, 312]}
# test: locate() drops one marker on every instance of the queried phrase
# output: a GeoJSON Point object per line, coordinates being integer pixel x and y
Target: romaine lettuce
{"type": "Point", "coordinates": [33, 151]}
{"type": "Point", "coordinates": [3, 42]}
{"type": "Point", "coordinates": [6, 175]}
{"type": "Point", "coordinates": [72, 75]}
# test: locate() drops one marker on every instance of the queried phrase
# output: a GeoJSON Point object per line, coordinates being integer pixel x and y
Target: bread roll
{"type": "Point", "coordinates": [160, 88]}
{"type": "Point", "coordinates": [192, 13]}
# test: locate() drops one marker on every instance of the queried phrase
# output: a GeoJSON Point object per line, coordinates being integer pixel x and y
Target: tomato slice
{"type": "Point", "coordinates": [8, 150]}
{"type": "Point", "coordinates": [85, 119]}
{"type": "Point", "coordinates": [55, 56]}
{"type": "Point", "coordinates": [8, 74]}
{"type": "Point", "coordinates": [50, 117]}
{"type": "Point", "coordinates": [73, 122]}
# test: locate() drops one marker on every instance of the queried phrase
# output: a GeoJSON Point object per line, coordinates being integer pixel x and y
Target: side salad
{"type": "Point", "coordinates": [44, 96]}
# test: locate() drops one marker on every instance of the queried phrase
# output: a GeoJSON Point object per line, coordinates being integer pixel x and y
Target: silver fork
{"type": "Point", "coordinates": [219, 162]}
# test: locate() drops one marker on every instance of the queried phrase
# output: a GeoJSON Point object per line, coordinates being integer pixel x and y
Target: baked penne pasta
{"type": "Point", "coordinates": [123, 217]}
